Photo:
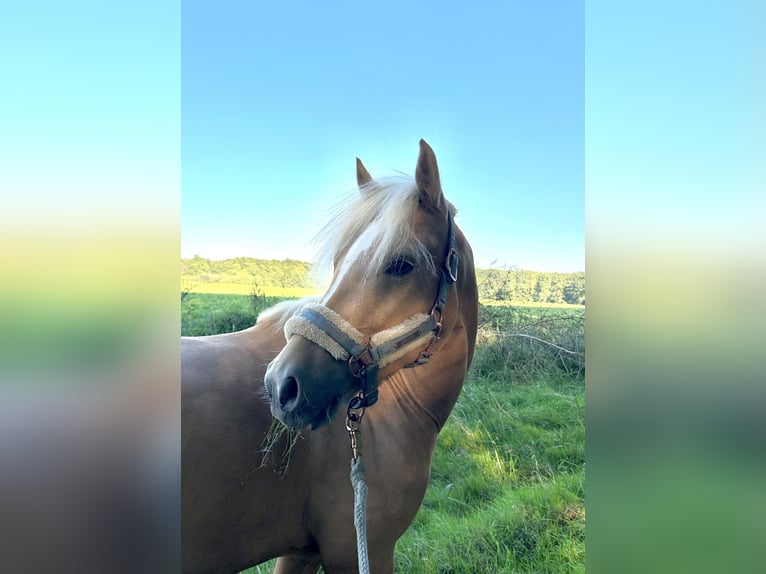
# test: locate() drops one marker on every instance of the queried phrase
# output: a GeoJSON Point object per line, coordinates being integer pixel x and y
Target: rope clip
{"type": "Point", "coordinates": [354, 415]}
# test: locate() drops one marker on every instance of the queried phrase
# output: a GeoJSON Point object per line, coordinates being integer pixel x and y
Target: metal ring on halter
{"type": "Point", "coordinates": [356, 367]}
{"type": "Point", "coordinates": [451, 264]}
{"type": "Point", "coordinates": [435, 309]}
{"type": "Point", "coordinates": [356, 404]}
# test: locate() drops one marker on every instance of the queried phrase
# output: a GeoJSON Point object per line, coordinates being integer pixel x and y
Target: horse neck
{"type": "Point", "coordinates": [434, 388]}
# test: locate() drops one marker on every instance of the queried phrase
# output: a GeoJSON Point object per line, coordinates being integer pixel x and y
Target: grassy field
{"type": "Point", "coordinates": [207, 313]}
{"type": "Point", "coordinates": [245, 289]}
{"type": "Point", "coordinates": [507, 484]}
{"type": "Point", "coordinates": [507, 481]}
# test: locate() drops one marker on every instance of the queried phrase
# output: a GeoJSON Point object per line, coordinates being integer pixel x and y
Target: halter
{"type": "Point", "coordinates": [343, 341]}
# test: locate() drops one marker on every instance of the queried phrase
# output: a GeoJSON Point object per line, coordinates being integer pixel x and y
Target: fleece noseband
{"type": "Point", "coordinates": [344, 342]}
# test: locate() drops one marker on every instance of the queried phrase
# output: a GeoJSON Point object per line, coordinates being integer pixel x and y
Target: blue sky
{"type": "Point", "coordinates": [279, 98]}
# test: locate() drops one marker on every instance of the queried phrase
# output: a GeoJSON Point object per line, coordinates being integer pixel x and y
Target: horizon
{"type": "Point", "coordinates": [286, 259]}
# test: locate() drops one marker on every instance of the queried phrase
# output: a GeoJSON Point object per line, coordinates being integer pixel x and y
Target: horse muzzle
{"type": "Point", "coordinates": [305, 385]}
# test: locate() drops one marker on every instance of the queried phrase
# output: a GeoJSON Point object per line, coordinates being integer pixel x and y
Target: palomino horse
{"type": "Point", "coordinates": [400, 314]}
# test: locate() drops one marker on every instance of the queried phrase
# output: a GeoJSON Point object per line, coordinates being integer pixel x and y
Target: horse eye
{"type": "Point", "coordinates": [400, 266]}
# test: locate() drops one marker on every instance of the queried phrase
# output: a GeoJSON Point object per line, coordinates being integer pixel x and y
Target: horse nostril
{"type": "Point", "coordinates": [287, 391]}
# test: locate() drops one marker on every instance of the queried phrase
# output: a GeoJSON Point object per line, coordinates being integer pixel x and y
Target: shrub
{"type": "Point", "coordinates": [522, 344]}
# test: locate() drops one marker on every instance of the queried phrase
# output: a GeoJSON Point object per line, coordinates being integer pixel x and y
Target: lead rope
{"type": "Point", "coordinates": [353, 426]}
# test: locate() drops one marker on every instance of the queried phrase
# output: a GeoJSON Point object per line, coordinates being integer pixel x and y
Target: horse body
{"type": "Point", "coordinates": [226, 507]}
{"type": "Point", "coordinates": [240, 507]}
{"type": "Point", "coordinates": [240, 510]}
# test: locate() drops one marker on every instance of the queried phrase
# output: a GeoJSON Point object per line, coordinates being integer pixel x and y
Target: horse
{"type": "Point", "coordinates": [393, 335]}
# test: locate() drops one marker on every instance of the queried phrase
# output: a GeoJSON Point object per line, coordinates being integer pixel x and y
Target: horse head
{"type": "Point", "coordinates": [394, 252]}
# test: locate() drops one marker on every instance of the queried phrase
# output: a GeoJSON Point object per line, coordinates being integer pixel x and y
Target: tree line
{"type": "Point", "coordinates": [494, 284]}
{"type": "Point", "coordinates": [246, 270]}
{"type": "Point", "coordinates": [531, 286]}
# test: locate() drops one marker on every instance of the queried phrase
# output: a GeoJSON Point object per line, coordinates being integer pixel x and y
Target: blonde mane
{"type": "Point", "coordinates": [278, 314]}
{"type": "Point", "coordinates": [389, 204]}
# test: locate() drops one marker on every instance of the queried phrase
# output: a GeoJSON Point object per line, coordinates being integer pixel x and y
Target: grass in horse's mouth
{"type": "Point", "coordinates": [272, 439]}
{"type": "Point", "coordinates": [278, 429]}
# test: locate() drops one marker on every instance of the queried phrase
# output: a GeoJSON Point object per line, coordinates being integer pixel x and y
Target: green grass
{"type": "Point", "coordinates": [507, 484]}
{"type": "Point", "coordinates": [208, 314]}
{"type": "Point", "coordinates": [507, 480]}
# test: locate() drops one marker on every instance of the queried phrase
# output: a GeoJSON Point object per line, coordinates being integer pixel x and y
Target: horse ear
{"type": "Point", "coordinates": [427, 177]}
{"type": "Point", "coordinates": [363, 176]}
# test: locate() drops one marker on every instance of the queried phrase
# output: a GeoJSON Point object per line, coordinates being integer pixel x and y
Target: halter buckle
{"type": "Point", "coordinates": [356, 367]}
{"type": "Point", "coordinates": [422, 359]}
{"type": "Point", "coordinates": [425, 354]}
{"type": "Point", "coordinates": [361, 362]}
{"type": "Point", "coordinates": [451, 264]}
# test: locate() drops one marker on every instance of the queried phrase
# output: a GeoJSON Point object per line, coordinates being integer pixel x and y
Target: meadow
{"type": "Point", "coordinates": [507, 489]}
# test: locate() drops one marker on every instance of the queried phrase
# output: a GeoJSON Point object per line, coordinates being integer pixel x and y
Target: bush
{"type": "Point", "coordinates": [522, 344]}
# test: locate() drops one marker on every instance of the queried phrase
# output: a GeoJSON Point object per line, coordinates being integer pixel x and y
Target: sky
{"type": "Point", "coordinates": [278, 99]}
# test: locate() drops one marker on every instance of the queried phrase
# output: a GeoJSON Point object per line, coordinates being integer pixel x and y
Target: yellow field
{"type": "Point", "coordinates": [496, 303]}
{"type": "Point", "coordinates": [242, 289]}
